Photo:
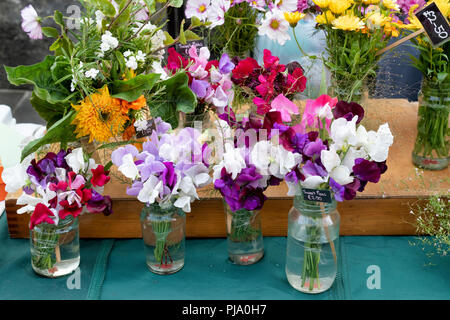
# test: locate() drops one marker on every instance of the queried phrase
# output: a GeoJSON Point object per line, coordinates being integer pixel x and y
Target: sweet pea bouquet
{"type": "Point", "coordinates": [104, 70]}
{"type": "Point", "coordinates": [210, 80]}
{"type": "Point", "coordinates": [56, 188]}
{"type": "Point", "coordinates": [355, 32]}
{"type": "Point", "coordinates": [270, 86]}
{"type": "Point", "coordinates": [338, 153]}
{"type": "Point", "coordinates": [169, 169]}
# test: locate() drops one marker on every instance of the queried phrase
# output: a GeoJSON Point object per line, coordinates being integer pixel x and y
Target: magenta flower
{"type": "Point", "coordinates": [31, 23]}
{"type": "Point", "coordinates": [285, 106]}
{"type": "Point", "coordinates": [318, 109]}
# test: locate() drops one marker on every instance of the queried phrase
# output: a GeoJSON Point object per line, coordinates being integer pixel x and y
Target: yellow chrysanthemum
{"type": "Point", "coordinates": [293, 17]}
{"type": "Point", "coordinates": [376, 19]}
{"type": "Point", "coordinates": [322, 3]}
{"type": "Point", "coordinates": [339, 6]}
{"type": "Point", "coordinates": [348, 23]}
{"type": "Point", "coordinates": [325, 18]}
{"type": "Point", "coordinates": [414, 23]}
{"type": "Point", "coordinates": [99, 117]}
{"type": "Point", "coordinates": [371, 1]}
{"type": "Point", "coordinates": [444, 6]}
{"type": "Point", "coordinates": [391, 4]}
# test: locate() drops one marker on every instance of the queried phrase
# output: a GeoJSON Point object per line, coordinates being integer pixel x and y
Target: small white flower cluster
{"type": "Point", "coordinates": [108, 43]}
{"type": "Point", "coordinates": [140, 125]}
{"type": "Point", "coordinates": [157, 38]}
{"type": "Point", "coordinates": [132, 60]}
{"type": "Point", "coordinates": [92, 73]}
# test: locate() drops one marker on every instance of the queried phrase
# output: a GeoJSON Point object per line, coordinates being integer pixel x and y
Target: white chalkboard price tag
{"type": "Point", "coordinates": [317, 195]}
{"type": "Point", "coordinates": [435, 24]}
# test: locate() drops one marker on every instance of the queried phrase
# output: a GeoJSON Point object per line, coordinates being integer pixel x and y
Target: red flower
{"type": "Point", "coordinates": [61, 186]}
{"type": "Point", "coordinates": [99, 176]}
{"type": "Point", "coordinates": [245, 68]}
{"type": "Point", "coordinates": [85, 194]}
{"type": "Point", "coordinates": [175, 61]}
{"type": "Point", "coordinates": [296, 82]}
{"type": "Point", "coordinates": [69, 209]}
{"type": "Point", "coordinates": [270, 61]}
{"type": "Point", "coordinates": [41, 214]}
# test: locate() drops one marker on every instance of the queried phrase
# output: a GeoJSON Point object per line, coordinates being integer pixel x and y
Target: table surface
{"type": "Point", "coordinates": [116, 269]}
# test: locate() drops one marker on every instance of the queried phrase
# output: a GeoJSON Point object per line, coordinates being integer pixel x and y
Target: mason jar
{"type": "Point", "coordinates": [312, 242]}
{"type": "Point", "coordinates": [244, 236]}
{"type": "Point", "coordinates": [55, 249]}
{"type": "Point", "coordinates": [163, 232]}
{"type": "Point", "coordinates": [432, 141]}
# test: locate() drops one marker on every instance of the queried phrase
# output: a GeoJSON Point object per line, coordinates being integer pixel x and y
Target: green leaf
{"type": "Point", "coordinates": [169, 40]}
{"type": "Point", "coordinates": [50, 32]}
{"type": "Point", "coordinates": [132, 89]}
{"type": "Point", "coordinates": [176, 3]}
{"type": "Point", "coordinates": [49, 112]}
{"type": "Point", "coordinates": [114, 145]}
{"type": "Point", "coordinates": [182, 36]}
{"type": "Point", "coordinates": [59, 19]}
{"type": "Point", "coordinates": [151, 5]}
{"type": "Point", "coordinates": [40, 76]}
{"type": "Point", "coordinates": [62, 131]}
{"type": "Point", "coordinates": [441, 76]}
{"type": "Point", "coordinates": [56, 45]}
{"type": "Point", "coordinates": [196, 22]}
{"type": "Point", "coordinates": [106, 7]}
{"type": "Point", "coordinates": [177, 97]}
{"type": "Point", "coordinates": [190, 36]}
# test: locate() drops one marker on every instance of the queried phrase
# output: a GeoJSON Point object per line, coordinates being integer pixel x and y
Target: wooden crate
{"type": "Point", "coordinates": [382, 209]}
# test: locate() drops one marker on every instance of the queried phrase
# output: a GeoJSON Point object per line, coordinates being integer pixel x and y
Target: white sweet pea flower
{"type": "Point", "coordinates": [343, 132]}
{"type": "Point", "coordinates": [233, 160]}
{"type": "Point", "coordinates": [128, 167]}
{"type": "Point", "coordinates": [75, 160]}
{"type": "Point", "coordinates": [379, 143]}
{"type": "Point", "coordinates": [341, 174]}
{"type": "Point", "coordinates": [330, 159]}
{"type": "Point", "coordinates": [313, 182]}
{"type": "Point", "coordinates": [151, 190]}
{"type": "Point", "coordinates": [352, 155]}
{"type": "Point", "coordinates": [325, 112]}
{"type": "Point", "coordinates": [184, 203]}
{"type": "Point", "coordinates": [16, 177]}
{"type": "Point", "coordinates": [31, 202]}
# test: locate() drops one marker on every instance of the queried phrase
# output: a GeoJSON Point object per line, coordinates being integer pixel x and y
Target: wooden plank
{"type": "Point", "coordinates": [207, 219]}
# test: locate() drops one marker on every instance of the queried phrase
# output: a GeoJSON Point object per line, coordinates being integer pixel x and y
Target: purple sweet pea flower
{"type": "Point", "coordinates": [348, 110]}
{"type": "Point", "coordinates": [351, 188]}
{"type": "Point", "coordinates": [252, 199]}
{"type": "Point", "coordinates": [135, 188]}
{"type": "Point", "coordinates": [248, 176]}
{"type": "Point", "coordinates": [47, 166]}
{"type": "Point", "coordinates": [313, 169]}
{"type": "Point", "coordinates": [314, 148]}
{"type": "Point", "coordinates": [99, 204]}
{"type": "Point", "coordinates": [339, 191]}
{"type": "Point", "coordinates": [199, 87]}
{"type": "Point", "coordinates": [225, 64]}
{"type": "Point", "coordinates": [366, 170]}
{"type": "Point", "coordinates": [299, 142]}
{"type": "Point", "coordinates": [168, 176]}
{"type": "Point", "coordinates": [117, 155]}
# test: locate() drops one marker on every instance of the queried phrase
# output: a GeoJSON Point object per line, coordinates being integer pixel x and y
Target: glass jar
{"type": "Point", "coordinates": [312, 242]}
{"type": "Point", "coordinates": [431, 147]}
{"type": "Point", "coordinates": [200, 122]}
{"type": "Point", "coordinates": [55, 249]}
{"type": "Point", "coordinates": [244, 236]}
{"type": "Point", "coordinates": [163, 231]}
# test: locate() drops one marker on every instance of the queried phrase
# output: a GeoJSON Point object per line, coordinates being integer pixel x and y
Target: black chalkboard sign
{"type": "Point", "coordinates": [183, 49]}
{"type": "Point", "coordinates": [317, 195]}
{"type": "Point", "coordinates": [435, 24]}
{"type": "Point", "coordinates": [151, 126]}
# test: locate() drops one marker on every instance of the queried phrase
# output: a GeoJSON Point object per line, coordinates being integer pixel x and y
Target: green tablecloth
{"type": "Point", "coordinates": [116, 269]}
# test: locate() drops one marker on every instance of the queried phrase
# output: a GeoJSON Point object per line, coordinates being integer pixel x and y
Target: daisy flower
{"type": "Point", "coordinates": [31, 23]}
{"type": "Point", "coordinates": [348, 23]}
{"type": "Point", "coordinates": [275, 27]}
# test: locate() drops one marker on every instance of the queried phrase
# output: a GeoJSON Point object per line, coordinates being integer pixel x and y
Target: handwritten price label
{"type": "Point", "coordinates": [151, 126]}
{"type": "Point", "coordinates": [435, 24]}
{"type": "Point", "coordinates": [183, 49]}
{"type": "Point", "coordinates": [317, 195]}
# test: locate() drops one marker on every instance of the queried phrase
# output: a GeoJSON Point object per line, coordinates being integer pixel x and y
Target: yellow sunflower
{"type": "Point", "coordinates": [99, 116]}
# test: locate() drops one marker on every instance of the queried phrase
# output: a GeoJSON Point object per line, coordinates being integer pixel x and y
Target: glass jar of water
{"type": "Point", "coordinates": [55, 248]}
{"type": "Point", "coordinates": [244, 236]}
{"type": "Point", "coordinates": [312, 243]}
{"type": "Point", "coordinates": [164, 232]}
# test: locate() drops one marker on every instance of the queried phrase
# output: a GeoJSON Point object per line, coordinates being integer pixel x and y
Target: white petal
{"type": "Point", "coordinates": [330, 159]}
{"type": "Point", "coordinates": [341, 175]}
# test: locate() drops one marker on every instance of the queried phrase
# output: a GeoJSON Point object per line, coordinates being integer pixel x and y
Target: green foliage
{"type": "Point", "coordinates": [172, 96]}
{"type": "Point", "coordinates": [132, 89]}
{"type": "Point", "coordinates": [433, 219]}
{"type": "Point", "coordinates": [62, 131]}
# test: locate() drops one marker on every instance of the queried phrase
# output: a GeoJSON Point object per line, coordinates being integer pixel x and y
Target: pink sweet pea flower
{"type": "Point", "coordinates": [318, 109]}
{"type": "Point", "coordinates": [285, 106]}
{"type": "Point", "coordinates": [41, 214]}
{"type": "Point", "coordinates": [31, 22]}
